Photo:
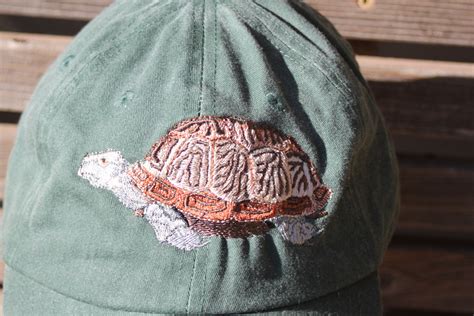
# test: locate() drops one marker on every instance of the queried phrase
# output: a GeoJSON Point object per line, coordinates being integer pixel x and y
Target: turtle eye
{"type": "Point", "coordinates": [103, 162]}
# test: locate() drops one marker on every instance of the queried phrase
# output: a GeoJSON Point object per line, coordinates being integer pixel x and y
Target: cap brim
{"type": "Point", "coordinates": [23, 296]}
{"type": "Point", "coordinates": [360, 298]}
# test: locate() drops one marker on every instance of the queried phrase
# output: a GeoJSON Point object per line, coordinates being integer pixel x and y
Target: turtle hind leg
{"type": "Point", "coordinates": [186, 239]}
{"type": "Point", "coordinates": [296, 230]}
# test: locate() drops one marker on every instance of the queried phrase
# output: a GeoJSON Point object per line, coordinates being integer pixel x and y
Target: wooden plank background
{"type": "Point", "coordinates": [427, 102]}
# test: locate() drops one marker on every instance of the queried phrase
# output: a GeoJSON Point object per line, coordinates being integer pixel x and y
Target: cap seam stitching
{"type": "Point", "coordinates": [215, 54]}
{"type": "Point", "coordinates": [193, 274]}
{"type": "Point", "coordinates": [268, 15]}
{"type": "Point", "coordinates": [344, 91]}
{"type": "Point", "coordinates": [203, 17]}
{"type": "Point", "coordinates": [339, 45]}
{"type": "Point", "coordinates": [93, 57]}
{"type": "Point", "coordinates": [203, 308]}
{"type": "Point", "coordinates": [70, 74]}
{"type": "Point", "coordinates": [188, 304]}
{"type": "Point", "coordinates": [63, 87]}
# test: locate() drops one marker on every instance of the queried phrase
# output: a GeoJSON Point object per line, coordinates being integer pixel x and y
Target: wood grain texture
{"type": "Point", "coordinates": [437, 201]}
{"type": "Point", "coordinates": [2, 267]}
{"type": "Point", "coordinates": [23, 59]}
{"type": "Point", "coordinates": [428, 278]}
{"type": "Point", "coordinates": [424, 102]}
{"type": "Point", "coordinates": [7, 138]}
{"type": "Point", "coordinates": [64, 9]}
{"type": "Point", "coordinates": [425, 21]}
{"type": "Point", "coordinates": [399, 70]}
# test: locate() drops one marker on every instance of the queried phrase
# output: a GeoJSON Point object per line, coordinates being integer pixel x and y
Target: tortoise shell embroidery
{"type": "Point", "coordinates": [216, 176]}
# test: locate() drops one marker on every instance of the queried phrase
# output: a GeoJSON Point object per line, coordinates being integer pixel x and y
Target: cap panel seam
{"type": "Point", "coordinates": [215, 54]}
{"type": "Point", "coordinates": [345, 92]}
{"type": "Point", "coordinates": [188, 305]}
{"type": "Point", "coordinates": [331, 34]}
{"type": "Point", "coordinates": [113, 44]}
{"type": "Point", "coordinates": [193, 274]}
{"type": "Point", "coordinates": [343, 89]}
{"type": "Point", "coordinates": [203, 35]}
{"type": "Point", "coordinates": [214, 78]}
{"type": "Point", "coordinates": [266, 13]}
{"type": "Point", "coordinates": [63, 87]}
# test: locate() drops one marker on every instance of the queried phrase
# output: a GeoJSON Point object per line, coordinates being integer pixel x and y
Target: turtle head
{"type": "Point", "coordinates": [103, 169]}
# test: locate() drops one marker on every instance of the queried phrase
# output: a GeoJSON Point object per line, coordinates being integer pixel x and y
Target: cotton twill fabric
{"type": "Point", "coordinates": [23, 296]}
{"type": "Point", "coordinates": [135, 71]}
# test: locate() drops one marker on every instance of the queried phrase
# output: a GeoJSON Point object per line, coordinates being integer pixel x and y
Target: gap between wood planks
{"type": "Point", "coordinates": [419, 276]}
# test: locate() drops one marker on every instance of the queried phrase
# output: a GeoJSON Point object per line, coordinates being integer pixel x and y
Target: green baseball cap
{"type": "Point", "coordinates": [200, 157]}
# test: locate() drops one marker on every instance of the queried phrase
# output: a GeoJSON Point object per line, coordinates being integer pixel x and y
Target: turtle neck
{"type": "Point", "coordinates": [127, 192]}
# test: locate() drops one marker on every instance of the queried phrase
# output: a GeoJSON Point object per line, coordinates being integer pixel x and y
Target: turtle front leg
{"type": "Point", "coordinates": [296, 230]}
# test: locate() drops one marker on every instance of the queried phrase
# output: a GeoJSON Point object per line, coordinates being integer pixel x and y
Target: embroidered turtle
{"type": "Point", "coordinates": [216, 176]}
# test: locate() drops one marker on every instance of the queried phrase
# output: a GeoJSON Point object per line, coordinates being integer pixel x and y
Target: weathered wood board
{"type": "Point", "coordinates": [7, 137]}
{"type": "Point", "coordinates": [23, 59]}
{"type": "Point", "coordinates": [433, 279]}
{"type": "Point", "coordinates": [422, 21]}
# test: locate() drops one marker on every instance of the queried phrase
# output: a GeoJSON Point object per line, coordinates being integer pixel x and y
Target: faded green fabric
{"type": "Point", "coordinates": [132, 73]}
